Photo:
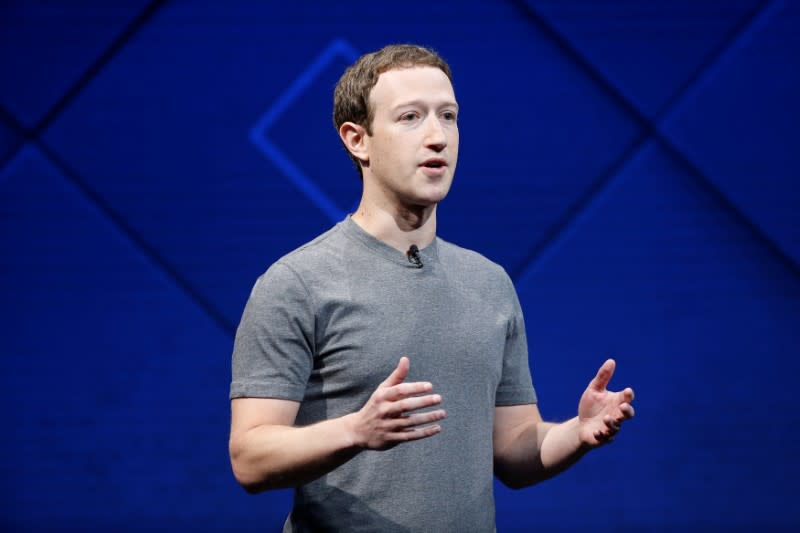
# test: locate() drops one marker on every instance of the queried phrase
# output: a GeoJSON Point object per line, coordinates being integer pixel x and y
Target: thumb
{"type": "Point", "coordinates": [399, 374]}
{"type": "Point", "coordinates": [600, 381]}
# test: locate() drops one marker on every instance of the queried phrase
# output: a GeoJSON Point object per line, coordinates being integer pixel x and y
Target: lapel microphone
{"type": "Point", "coordinates": [413, 256]}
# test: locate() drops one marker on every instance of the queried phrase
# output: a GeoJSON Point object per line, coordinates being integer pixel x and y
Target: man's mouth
{"type": "Point", "coordinates": [434, 163]}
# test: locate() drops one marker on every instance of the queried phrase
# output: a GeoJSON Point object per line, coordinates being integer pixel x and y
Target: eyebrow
{"type": "Point", "coordinates": [421, 103]}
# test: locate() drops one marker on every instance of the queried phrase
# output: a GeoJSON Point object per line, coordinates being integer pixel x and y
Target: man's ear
{"type": "Point", "coordinates": [355, 140]}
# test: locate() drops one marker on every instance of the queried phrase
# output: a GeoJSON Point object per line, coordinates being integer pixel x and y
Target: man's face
{"type": "Point", "coordinates": [413, 148]}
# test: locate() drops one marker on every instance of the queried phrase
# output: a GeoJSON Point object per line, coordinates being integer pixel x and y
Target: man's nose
{"type": "Point", "coordinates": [435, 136]}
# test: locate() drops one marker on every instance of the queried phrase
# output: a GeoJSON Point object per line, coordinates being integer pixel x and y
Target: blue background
{"type": "Point", "coordinates": [634, 165]}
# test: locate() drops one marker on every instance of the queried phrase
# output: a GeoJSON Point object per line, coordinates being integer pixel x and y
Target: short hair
{"type": "Point", "coordinates": [351, 95]}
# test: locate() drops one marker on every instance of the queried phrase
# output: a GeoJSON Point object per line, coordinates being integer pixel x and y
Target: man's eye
{"type": "Point", "coordinates": [409, 117]}
{"type": "Point", "coordinates": [449, 115]}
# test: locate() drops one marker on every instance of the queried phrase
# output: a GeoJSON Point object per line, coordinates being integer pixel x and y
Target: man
{"type": "Point", "coordinates": [382, 371]}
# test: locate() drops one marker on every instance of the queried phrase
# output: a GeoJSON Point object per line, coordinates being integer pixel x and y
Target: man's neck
{"type": "Point", "coordinates": [399, 227]}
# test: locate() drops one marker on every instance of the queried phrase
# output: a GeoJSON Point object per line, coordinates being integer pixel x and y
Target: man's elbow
{"type": "Point", "coordinates": [518, 477]}
{"type": "Point", "coordinates": [248, 484]}
{"type": "Point", "coordinates": [513, 482]}
{"type": "Point", "coordinates": [244, 473]}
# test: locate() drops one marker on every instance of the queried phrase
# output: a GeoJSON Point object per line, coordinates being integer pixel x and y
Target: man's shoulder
{"type": "Point", "coordinates": [305, 266]}
{"type": "Point", "coordinates": [453, 253]}
{"type": "Point", "coordinates": [324, 248]}
{"type": "Point", "coordinates": [470, 263]}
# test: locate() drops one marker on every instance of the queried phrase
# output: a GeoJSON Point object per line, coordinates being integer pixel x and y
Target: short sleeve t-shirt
{"type": "Point", "coordinates": [328, 322]}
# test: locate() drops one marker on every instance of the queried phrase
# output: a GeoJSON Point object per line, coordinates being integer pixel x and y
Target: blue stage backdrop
{"type": "Point", "coordinates": [634, 165]}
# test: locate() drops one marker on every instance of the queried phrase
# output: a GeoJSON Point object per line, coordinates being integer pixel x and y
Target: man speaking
{"type": "Point", "coordinates": [382, 371]}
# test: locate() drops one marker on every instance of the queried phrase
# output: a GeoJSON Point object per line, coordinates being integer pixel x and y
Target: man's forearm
{"type": "Point", "coordinates": [539, 451]}
{"type": "Point", "coordinates": [275, 456]}
{"type": "Point", "coordinates": [267, 455]}
{"type": "Point", "coordinates": [561, 447]}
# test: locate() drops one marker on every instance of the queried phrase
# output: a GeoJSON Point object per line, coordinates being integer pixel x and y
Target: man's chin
{"type": "Point", "coordinates": [430, 200]}
{"type": "Point", "coordinates": [435, 193]}
{"type": "Point", "coordinates": [418, 203]}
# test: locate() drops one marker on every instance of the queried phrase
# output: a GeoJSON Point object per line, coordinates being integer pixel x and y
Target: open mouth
{"type": "Point", "coordinates": [434, 163]}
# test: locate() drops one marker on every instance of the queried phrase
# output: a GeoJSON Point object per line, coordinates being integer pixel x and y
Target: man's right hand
{"type": "Point", "coordinates": [387, 418]}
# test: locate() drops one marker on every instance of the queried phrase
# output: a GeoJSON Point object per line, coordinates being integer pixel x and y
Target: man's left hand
{"type": "Point", "coordinates": [601, 412]}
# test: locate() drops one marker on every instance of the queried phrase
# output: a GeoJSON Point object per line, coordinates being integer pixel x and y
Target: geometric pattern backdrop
{"type": "Point", "coordinates": [633, 165]}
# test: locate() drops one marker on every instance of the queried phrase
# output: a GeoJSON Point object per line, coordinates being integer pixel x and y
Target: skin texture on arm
{"type": "Point", "coordinates": [528, 450]}
{"type": "Point", "coordinates": [268, 452]}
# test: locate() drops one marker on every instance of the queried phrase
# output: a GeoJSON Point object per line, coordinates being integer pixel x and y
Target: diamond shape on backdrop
{"type": "Point", "coordinates": [219, 211]}
{"type": "Point", "coordinates": [156, 135]}
{"type": "Point", "coordinates": [108, 372]}
{"type": "Point", "coordinates": [46, 46]}
{"type": "Point", "coordinates": [648, 50]}
{"type": "Point", "coordinates": [313, 91]}
{"type": "Point", "coordinates": [661, 276]}
{"type": "Point", "coordinates": [741, 126]}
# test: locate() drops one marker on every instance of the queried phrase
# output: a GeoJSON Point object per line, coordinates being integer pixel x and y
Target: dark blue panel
{"type": "Point", "coordinates": [114, 383]}
{"type": "Point", "coordinates": [702, 321]}
{"type": "Point", "coordinates": [647, 49]}
{"type": "Point", "coordinates": [163, 135]}
{"type": "Point", "coordinates": [46, 46]}
{"type": "Point", "coordinates": [741, 126]}
{"type": "Point", "coordinates": [170, 120]}
{"type": "Point", "coordinates": [9, 142]}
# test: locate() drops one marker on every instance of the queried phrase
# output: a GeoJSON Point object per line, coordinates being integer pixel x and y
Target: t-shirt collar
{"type": "Point", "coordinates": [353, 231]}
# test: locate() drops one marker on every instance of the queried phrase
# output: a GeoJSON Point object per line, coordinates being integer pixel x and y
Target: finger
{"type": "Point", "coordinates": [627, 395]}
{"type": "Point", "coordinates": [398, 374]}
{"type": "Point", "coordinates": [627, 410]}
{"type": "Point", "coordinates": [412, 404]}
{"type": "Point", "coordinates": [612, 424]}
{"type": "Point", "coordinates": [414, 433]}
{"type": "Point", "coordinates": [603, 376]}
{"type": "Point", "coordinates": [417, 419]}
{"type": "Point", "coordinates": [603, 437]}
{"type": "Point", "coordinates": [404, 390]}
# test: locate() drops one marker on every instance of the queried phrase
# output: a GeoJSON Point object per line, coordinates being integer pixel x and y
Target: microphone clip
{"type": "Point", "coordinates": [413, 256]}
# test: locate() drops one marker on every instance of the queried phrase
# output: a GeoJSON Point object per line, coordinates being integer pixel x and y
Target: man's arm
{"type": "Point", "coordinates": [528, 450]}
{"type": "Point", "coordinates": [268, 452]}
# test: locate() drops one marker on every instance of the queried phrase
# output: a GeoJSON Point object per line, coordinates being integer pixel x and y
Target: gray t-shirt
{"type": "Point", "coordinates": [328, 322]}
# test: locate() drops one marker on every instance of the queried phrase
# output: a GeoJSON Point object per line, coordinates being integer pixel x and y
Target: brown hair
{"type": "Point", "coordinates": [351, 96]}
